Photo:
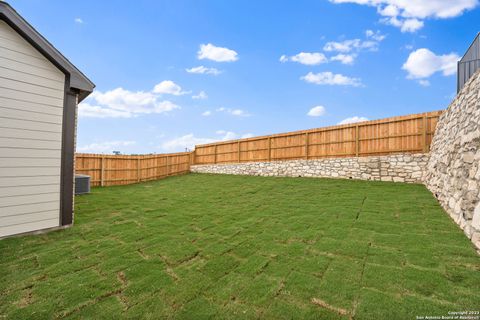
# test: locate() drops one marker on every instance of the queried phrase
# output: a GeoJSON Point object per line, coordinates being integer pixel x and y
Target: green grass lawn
{"type": "Point", "coordinates": [233, 247]}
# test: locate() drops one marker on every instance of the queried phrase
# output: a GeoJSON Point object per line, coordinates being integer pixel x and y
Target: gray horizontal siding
{"type": "Point", "coordinates": [16, 191]}
{"type": "Point", "coordinates": [29, 144]}
{"type": "Point", "coordinates": [11, 93]}
{"type": "Point", "coordinates": [31, 78]}
{"type": "Point", "coordinates": [28, 181]}
{"type": "Point", "coordinates": [31, 88]}
{"type": "Point", "coordinates": [28, 217]}
{"type": "Point", "coordinates": [29, 208]}
{"type": "Point", "coordinates": [29, 162]}
{"type": "Point", "coordinates": [23, 133]}
{"type": "Point", "coordinates": [29, 124]}
{"type": "Point", "coordinates": [28, 68]}
{"type": "Point", "coordinates": [29, 171]}
{"type": "Point", "coordinates": [30, 107]}
{"type": "Point", "coordinates": [31, 115]}
{"type": "Point", "coordinates": [27, 200]}
{"type": "Point", "coordinates": [28, 227]}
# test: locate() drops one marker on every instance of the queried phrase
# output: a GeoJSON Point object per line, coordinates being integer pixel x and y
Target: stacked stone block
{"type": "Point", "coordinates": [397, 168]}
{"type": "Point", "coordinates": [453, 170]}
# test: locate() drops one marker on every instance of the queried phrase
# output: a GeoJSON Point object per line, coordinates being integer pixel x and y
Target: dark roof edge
{"type": "Point", "coordinates": [77, 81]}
{"type": "Point", "coordinates": [470, 46]}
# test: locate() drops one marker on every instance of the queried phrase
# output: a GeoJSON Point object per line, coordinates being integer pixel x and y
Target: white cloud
{"type": "Point", "coordinates": [239, 113]}
{"type": "Point", "coordinates": [344, 58]}
{"type": "Point", "coordinates": [227, 135]}
{"type": "Point", "coordinates": [207, 113]}
{"type": "Point", "coordinates": [78, 20]}
{"type": "Point", "coordinates": [307, 58]}
{"type": "Point", "coordinates": [86, 110]}
{"type": "Point", "coordinates": [247, 135]}
{"type": "Point", "coordinates": [234, 112]}
{"type": "Point", "coordinates": [375, 35]}
{"type": "Point", "coordinates": [411, 25]}
{"type": "Point", "coordinates": [405, 25]}
{"type": "Point", "coordinates": [104, 147]}
{"type": "Point", "coordinates": [316, 111]}
{"type": "Point", "coordinates": [168, 87]}
{"type": "Point", "coordinates": [200, 96]}
{"type": "Point", "coordinates": [347, 50]}
{"type": "Point", "coordinates": [346, 46]}
{"type": "Point", "coordinates": [388, 10]}
{"type": "Point", "coordinates": [219, 54]}
{"type": "Point", "coordinates": [422, 63]}
{"type": "Point", "coordinates": [408, 14]}
{"type": "Point", "coordinates": [189, 141]}
{"type": "Point", "coordinates": [121, 103]}
{"type": "Point", "coordinates": [204, 70]}
{"type": "Point", "coordinates": [353, 120]}
{"type": "Point", "coordinates": [424, 83]}
{"type": "Point", "coordinates": [329, 78]}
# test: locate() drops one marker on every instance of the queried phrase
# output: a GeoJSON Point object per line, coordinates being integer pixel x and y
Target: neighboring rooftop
{"type": "Point", "coordinates": [469, 63]}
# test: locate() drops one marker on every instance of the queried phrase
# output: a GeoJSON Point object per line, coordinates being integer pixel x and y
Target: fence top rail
{"type": "Point", "coordinates": [430, 114]}
{"type": "Point", "coordinates": [130, 157]}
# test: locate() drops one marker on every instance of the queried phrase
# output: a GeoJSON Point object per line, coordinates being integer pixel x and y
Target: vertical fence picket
{"type": "Point", "coordinates": [424, 134]}
{"type": "Point", "coordinates": [306, 145]}
{"type": "Point", "coordinates": [269, 149]}
{"type": "Point", "coordinates": [357, 143]}
{"type": "Point", "coordinates": [238, 152]}
{"type": "Point", "coordinates": [102, 172]}
{"type": "Point", "coordinates": [168, 165]}
{"type": "Point", "coordinates": [138, 170]}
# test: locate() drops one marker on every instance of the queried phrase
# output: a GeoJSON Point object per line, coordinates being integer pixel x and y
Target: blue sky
{"type": "Point", "coordinates": [171, 74]}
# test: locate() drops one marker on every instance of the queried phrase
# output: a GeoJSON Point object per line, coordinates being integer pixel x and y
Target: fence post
{"type": "Point", "coordinates": [102, 172]}
{"type": "Point", "coordinates": [357, 145]}
{"type": "Point", "coordinates": [424, 134]}
{"type": "Point", "coordinates": [238, 151]}
{"type": "Point", "coordinates": [191, 159]}
{"type": "Point", "coordinates": [215, 154]}
{"type": "Point", "coordinates": [138, 169]}
{"type": "Point", "coordinates": [168, 165]}
{"type": "Point", "coordinates": [269, 149]}
{"type": "Point", "coordinates": [306, 145]}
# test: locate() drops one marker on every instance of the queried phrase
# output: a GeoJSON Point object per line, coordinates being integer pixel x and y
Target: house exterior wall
{"type": "Point", "coordinates": [32, 92]}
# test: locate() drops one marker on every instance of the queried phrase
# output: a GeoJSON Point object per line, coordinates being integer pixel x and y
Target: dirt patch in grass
{"type": "Point", "coordinates": [325, 305]}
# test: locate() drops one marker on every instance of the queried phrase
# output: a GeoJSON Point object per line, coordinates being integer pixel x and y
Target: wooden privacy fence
{"type": "Point", "coordinates": [404, 134]}
{"type": "Point", "coordinates": [108, 170]}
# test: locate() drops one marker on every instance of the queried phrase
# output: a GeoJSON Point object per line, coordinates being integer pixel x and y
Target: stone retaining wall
{"type": "Point", "coordinates": [453, 171]}
{"type": "Point", "coordinates": [397, 168]}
